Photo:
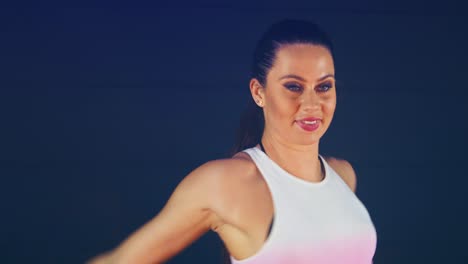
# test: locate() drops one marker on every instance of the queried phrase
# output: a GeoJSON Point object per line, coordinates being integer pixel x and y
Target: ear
{"type": "Point", "coordinates": [257, 91]}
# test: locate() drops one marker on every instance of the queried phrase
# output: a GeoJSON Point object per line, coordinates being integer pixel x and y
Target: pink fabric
{"type": "Point", "coordinates": [356, 251]}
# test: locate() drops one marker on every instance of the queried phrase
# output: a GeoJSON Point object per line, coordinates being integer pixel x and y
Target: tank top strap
{"type": "Point", "coordinates": [264, 167]}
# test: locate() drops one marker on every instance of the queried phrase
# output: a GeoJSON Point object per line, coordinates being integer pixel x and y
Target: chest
{"type": "Point", "coordinates": [300, 215]}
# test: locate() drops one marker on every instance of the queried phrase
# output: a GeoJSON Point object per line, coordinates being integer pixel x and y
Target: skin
{"type": "Point", "coordinates": [230, 196]}
{"type": "Point", "coordinates": [285, 100]}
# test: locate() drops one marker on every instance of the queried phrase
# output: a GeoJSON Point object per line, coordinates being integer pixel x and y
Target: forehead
{"type": "Point", "coordinates": [306, 60]}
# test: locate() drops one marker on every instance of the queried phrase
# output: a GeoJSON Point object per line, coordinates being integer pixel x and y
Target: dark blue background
{"type": "Point", "coordinates": [104, 110]}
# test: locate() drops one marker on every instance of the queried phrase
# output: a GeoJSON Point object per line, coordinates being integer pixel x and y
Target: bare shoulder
{"type": "Point", "coordinates": [237, 171]}
{"type": "Point", "coordinates": [344, 169]}
{"type": "Point", "coordinates": [226, 179]}
{"type": "Point", "coordinates": [219, 171]}
{"type": "Point", "coordinates": [238, 168]}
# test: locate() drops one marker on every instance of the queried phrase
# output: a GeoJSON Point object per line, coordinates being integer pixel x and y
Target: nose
{"type": "Point", "coordinates": [310, 101]}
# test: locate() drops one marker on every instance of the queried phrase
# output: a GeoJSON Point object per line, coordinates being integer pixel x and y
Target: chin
{"type": "Point", "coordinates": [309, 140]}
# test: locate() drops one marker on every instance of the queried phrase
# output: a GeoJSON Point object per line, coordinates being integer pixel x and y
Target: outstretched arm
{"type": "Point", "coordinates": [186, 216]}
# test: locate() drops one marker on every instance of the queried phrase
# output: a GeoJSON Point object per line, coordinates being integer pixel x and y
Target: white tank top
{"type": "Point", "coordinates": [322, 222]}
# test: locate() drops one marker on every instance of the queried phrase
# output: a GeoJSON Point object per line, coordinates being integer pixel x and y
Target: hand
{"type": "Point", "coordinates": [104, 258]}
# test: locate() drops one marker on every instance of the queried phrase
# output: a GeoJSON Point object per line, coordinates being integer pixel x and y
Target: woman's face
{"type": "Point", "coordinates": [300, 84]}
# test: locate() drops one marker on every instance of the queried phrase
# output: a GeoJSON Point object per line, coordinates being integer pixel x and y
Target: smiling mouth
{"type": "Point", "coordinates": [309, 125]}
{"type": "Point", "coordinates": [309, 122]}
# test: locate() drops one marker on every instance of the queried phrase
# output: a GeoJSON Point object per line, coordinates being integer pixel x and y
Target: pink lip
{"type": "Point", "coordinates": [308, 127]}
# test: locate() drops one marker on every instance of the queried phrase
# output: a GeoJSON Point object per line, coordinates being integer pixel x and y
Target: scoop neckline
{"type": "Point", "coordinates": [296, 178]}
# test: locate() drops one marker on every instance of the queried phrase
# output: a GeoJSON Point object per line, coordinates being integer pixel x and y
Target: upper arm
{"type": "Point", "coordinates": [184, 218]}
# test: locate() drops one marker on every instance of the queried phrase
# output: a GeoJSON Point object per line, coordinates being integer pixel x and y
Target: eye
{"type": "Point", "coordinates": [293, 87]}
{"type": "Point", "coordinates": [326, 86]}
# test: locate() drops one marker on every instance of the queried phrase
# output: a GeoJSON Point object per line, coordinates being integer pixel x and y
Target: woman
{"type": "Point", "coordinates": [276, 200]}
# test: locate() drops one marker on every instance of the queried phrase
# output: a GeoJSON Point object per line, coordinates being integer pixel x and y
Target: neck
{"type": "Point", "coordinates": [300, 160]}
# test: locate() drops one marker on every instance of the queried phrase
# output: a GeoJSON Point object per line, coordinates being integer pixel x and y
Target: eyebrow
{"type": "Point", "coordinates": [302, 79]}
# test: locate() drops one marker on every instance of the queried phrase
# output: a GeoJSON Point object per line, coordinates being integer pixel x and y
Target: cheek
{"type": "Point", "coordinates": [330, 103]}
{"type": "Point", "coordinates": [285, 109]}
{"type": "Point", "coordinates": [330, 106]}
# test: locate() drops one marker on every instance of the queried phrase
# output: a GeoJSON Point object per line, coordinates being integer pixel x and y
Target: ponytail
{"type": "Point", "coordinates": [250, 128]}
